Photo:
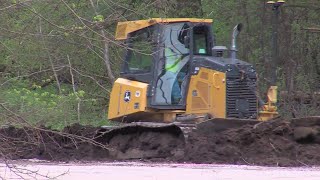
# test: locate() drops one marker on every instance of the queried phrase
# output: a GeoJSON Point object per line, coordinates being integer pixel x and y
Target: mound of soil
{"type": "Point", "coordinates": [143, 142]}
{"type": "Point", "coordinates": [146, 145]}
{"type": "Point", "coordinates": [78, 143]}
{"type": "Point", "coordinates": [73, 143]}
{"type": "Point", "coordinates": [274, 143]}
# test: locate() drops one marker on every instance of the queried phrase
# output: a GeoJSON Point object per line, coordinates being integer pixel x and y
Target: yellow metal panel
{"type": "Point", "coordinates": [272, 94]}
{"type": "Point", "coordinates": [267, 115]}
{"type": "Point", "coordinates": [269, 110]}
{"type": "Point", "coordinates": [127, 97]}
{"type": "Point", "coordinates": [207, 93]}
{"type": "Point", "coordinates": [171, 20]}
{"type": "Point", "coordinates": [124, 28]}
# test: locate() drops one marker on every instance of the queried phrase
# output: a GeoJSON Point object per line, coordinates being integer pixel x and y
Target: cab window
{"type": "Point", "coordinates": [139, 57]}
{"type": "Point", "coordinates": [201, 41]}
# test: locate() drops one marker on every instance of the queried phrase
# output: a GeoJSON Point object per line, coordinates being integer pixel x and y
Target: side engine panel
{"type": "Point", "coordinates": [207, 93]}
{"type": "Point", "coordinates": [229, 94]}
{"type": "Point", "coordinates": [127, 97]}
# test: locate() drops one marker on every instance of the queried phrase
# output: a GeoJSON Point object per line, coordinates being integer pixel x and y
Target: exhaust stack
{"type": "Point", "coordinates": [236, 30]}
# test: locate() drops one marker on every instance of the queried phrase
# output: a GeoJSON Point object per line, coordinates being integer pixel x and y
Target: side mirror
{"type": "Point", "coordinates": [186, 41]}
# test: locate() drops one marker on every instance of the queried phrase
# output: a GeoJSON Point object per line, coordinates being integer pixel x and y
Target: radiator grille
{"type": "Point", "coordinates": [241, 98]}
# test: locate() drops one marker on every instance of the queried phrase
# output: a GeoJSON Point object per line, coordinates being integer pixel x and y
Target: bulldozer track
{"type": "Point", "coordinates": [186, 128]}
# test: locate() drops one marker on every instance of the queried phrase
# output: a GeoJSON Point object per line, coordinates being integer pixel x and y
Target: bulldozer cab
{"type": "Point", "coordinates": [161, 55]}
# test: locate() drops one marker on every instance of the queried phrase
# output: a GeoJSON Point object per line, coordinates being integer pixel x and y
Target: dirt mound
{"type": "Point", "coordinates": [79, 143]}
{"type": "Point", "coordinates": [143, 142]}
{"type": "Point", "coordinates": [73, 143]}
{"type": "Point", "coordinates": [275, 143]}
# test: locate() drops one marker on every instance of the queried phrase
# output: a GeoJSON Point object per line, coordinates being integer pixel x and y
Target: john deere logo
{"type": "Point", "coordinates": [127, 96]}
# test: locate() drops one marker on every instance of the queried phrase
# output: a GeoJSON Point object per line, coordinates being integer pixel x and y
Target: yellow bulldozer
{"type": "Point", "coordinates": [175, 78]}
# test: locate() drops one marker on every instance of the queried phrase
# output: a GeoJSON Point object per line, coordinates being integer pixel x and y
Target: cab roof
{"type": "Point", "coordinates": [124, 28]}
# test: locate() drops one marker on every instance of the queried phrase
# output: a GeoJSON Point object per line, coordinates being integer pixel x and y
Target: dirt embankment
{"type": "Point", "coordinates": [274, 143]}
{"type": "Point", "coordinates": [73, 143]}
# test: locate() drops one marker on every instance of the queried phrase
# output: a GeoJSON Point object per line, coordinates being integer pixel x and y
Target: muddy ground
{"type": "Point", "coordinates": [278, 142]}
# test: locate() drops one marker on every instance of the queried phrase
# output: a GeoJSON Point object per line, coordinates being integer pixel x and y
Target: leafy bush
{"type": "Point", "coordinates": [43, 106]}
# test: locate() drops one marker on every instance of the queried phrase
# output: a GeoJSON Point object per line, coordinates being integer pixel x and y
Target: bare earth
{"type": "Point", "coordinates": [155, 171]}
{"type": "Point", "coordinates": [277, 143]}
{"type": "Point", "coordinates": [290, 146]}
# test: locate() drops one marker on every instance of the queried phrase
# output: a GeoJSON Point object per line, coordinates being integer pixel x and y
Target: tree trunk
{"type": "Point", "coordinates": [106, 55]}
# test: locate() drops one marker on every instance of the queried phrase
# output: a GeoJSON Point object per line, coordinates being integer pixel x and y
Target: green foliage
{"type": "Point", "coordinates": [98, 18]}
{"type": "Point", "coordinates": [42, 106]}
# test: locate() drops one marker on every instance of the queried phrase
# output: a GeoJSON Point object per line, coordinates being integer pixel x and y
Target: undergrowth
{"type": "Point", "coordinates": [47, 107]}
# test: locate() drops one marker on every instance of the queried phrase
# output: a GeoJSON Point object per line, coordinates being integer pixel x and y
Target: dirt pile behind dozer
{"type": "Point", "coordinates": [276, 143]}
